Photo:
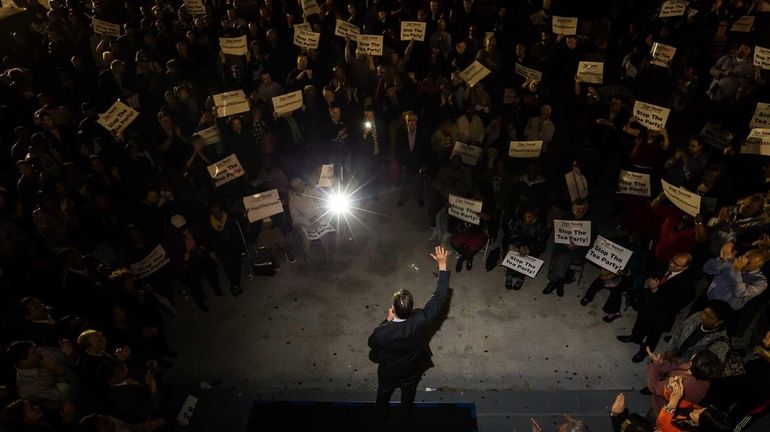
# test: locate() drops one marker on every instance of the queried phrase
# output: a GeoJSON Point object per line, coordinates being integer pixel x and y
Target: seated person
{"type": "Point", "coordinates": [616, 284]}
{"type": "Point", "coordinates": [523, 232]}
{"type": "Point", "coordinates": [42, 374]}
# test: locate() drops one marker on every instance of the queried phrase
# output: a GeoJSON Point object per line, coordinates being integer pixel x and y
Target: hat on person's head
{"type": "Point", "coordinates": [178, 221]}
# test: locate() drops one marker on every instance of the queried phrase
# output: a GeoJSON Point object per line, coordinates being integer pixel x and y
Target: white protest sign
{"type": "Point", "coordinates": [306, 39]}
{"type": "Point", "coordinates": [688, 202]}
{"type": "Point", "coordinates": [153, 262]}
{"type": "Point", "coordinates": [528, 74]}
{"type": "Point", "coordinates": [525, 149]}
{"type": "Point", "coordinates": [230, 103]}
{"type": "Point", "coordinates": [714, 136]}
{"type": "Point", "coordinates": [413, 30]}
{"type": "Point", "coordinates": [743, 24]}
{"type": "Point", "coordinates": [305, 26]}
{"type": "Point", "coordinates": [526, 265]}
{"type": "Point", "coordinates": [577, 185]}
{"type": "Point", "coordinates": [318, 230]}
{"type": "Point", "coordinates": [634, 183]}
{"type": "Point", "coordinates": [662, 54]}
{"type": "Point", "coordinates": [226, 170]}
{"type": "Point", "coordinates": [758, 142]}
{"type": "Point", "coordinates": [651, 116]}
{"type": "Point", "coordinates": [106, 28]}
{"type": "Point", "coordinates": [187, 410]}
{"type": "Point", "coordinates": [327, 176]}
{"type": "Point", "coordinates": [673, 8]}
{"type": "Point", "coordinates": [577, 232]}
{"type": "Point", "coordinates": [287, 102]}
{"type": "Point", "coordinates": [468, 153]}
{"type": "Point", "coordinates": [608, 255]}
{"type": "Point", "coordinates": [370, 44]}
{"type": "Point", "coordinates": [762, 57]}
{"type": "Point", "coordinates": [118, 117]}
{"type": "Point", "coordinates": [310, 7]}
{"type": "Point", "coordinates": [474, 73]}
{"type": "Point", "coordinates": [464, 209]}
{"type": "Point", "coordinates": [591, 72]}
{"type": "Point", "coordinates": [564, 25]}
{"type": "Point", "coordinates": [233, 46]}
{"type": "Point", "coordinates": [346, 30]}
{"type": "Point", "coordinates": [195, 7]}
{"type": "Point", "coordinates": [509, 96]}
{"type": "Point", "coordinates": [210, 135]}
{"type": "Point", "coordinates": [263, 205]}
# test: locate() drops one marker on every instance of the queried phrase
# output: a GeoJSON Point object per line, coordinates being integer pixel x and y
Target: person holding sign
{"type": "Point", "coordinates": [226, 236]}
{"type": "Point", "coordinates": [305, 211]}
{"type": "Point", "coordinates": [678, 232]}
{"type": "Point", "coordinates": [300, 76]}
{"type": "Point", "coordinates": [525, 233]}
{"type": "Point", "coordinates": [565, 248]}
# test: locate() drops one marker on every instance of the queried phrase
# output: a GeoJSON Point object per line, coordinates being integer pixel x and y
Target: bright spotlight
{"type": "Point", "coordinates": [339, 203]}
{"type": "Point", "coordinates": [368, 125]}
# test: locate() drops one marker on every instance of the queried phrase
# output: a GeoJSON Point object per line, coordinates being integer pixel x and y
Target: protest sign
{"type": "Point", "coordinates": [327, 176]}
{"type": "Point", "coordinates": [743, 24]}
{"type": "Point", "coordinates": [651, 116]}
{"type": "Point", "coordinates": [762, 57]}
{"type": "Point", "coordinates": [761, 118]}
{"type": "Point", "coordinates": [673, 8]}
{"type": "Point", "coordinates": [310, 7]}
{"type": "Point", "coordinates": [465, 209]}
{"type": "Point", "coordinates": [233, 46]}
{"type": "Point", "coordinates": [526, 265]}
{"type": "Point", "coordinates": [576, 232]}
{"type": "Point", "coordinates": [370, 44]}
{"type": "Point", "coordinates": [714, 136]}
{"type": "Point", "coordinates": [758, 142]}
{"type": "Point", "coordinates": [118, 117]}
{"type": "Point", "coordinates": [230, 103]}
{"type": "Point", "coordinates": [528, 74]}
{"type": "Point", "coordinates": [305, 26]}
{"type": "Point", "coordinates": [662, 55]}
{"type": "Point", "coordinates": [318, 230]}
{"type": "Point", "coordinates": [153, 262]}
{"type": "Point", "coordinates": [564, 25]}
{"type": "Point", "coordinates": [608, 255]}
{"type": "Point", "coordinates": [591, 72]}
{"type": "Point", "coordinates": [577, 186]}
{"type": "Point", "coordinates": [195, 7]}
{"type": "Point", "coordinates": [262, 205]}
{"type": "Point", "coordinates": [413, 30]}
{"type": "Point", "coordinates": [634, 183]}
{"type": "Point", "coordinates": [106, 28]}
{"type": "Point", "coordinates": [525, 149]}
{"type": "Point", "coordinates": [474, 73]}
{"type": "Point", "coordinates": [187, 410]}
{"type": "Point", "coordinates": [346, 30]}
{"type": "Point", "coordinates": [210, 135]}
{"type": "Point", "coordinates": [688, 202]}
{"type": "Point", "coordinates": [306, 39]}
{"type": "Point", "coordinates": [468, 153]}
{"type": "Point", "coordinates": [287, 102]}
{"type": "Point", "coordinates": [226, 170]}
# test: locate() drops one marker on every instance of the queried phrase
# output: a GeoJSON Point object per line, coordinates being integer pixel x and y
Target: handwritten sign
{"type": "Point", "coordinates": [105, 28]}
{"type": "Point", "coordinates": [688, 202]}
{"type": "Point", "coordinates": [474, 73]}
{"type": "Point", "coordinates": [525, 149]}
{"type": "Point", "coordinates": [468, 153]}
{"type": "Point", "coordinates": [652, 116]}
{"type": "Point", "coordinates": [153, 262]}
{"type": "Point", "coordinates": [662, 55]}
{"type": "Point", "coordinates": [118, 117]}
{"type": "Point", "coordinates": [310, 7]}
{"type": "Point", "coordinates": [743, 24]}
{"type": "Point", "coordinates": [758, 142]}
{"type": "Point", "coordinates": [465, 209]}
{"type": "Point", "coordinates": [327, 176]}
{"type": "Point", "coordinates": [564, 25]}
{"type": "Point", "coordinates": [370, 44]}
{"type": "Point", "coordinates": [413, 30]}
{"type": "Point", "coordinates": [673, 8]}
{"type": "Point", "coordinates": [577, 185]}
{"type": "Point", "coordinates": [287, 102]}
{"type": "Point", "coordinates": [230, 103]}
{"type": "Point", "coordinates": [262, 205]}
{"type": "Point", "coordinates": [715, 136]}
{"type": "Point", "coordinates": [195, 7]}
{"type": "Point", "coordinates": [306, 39]}
{"type": "Point", "coordinates": [225, 171]}
{"type": "Point", "coordinates": [591, 72]}
{"type": "Point", "coordinates": [634, 183]}
{"type": "Point", "coordinates": [233, 46]}
{"type": "Point", "coordinates": [346, 30]}
{"type": "Point", "coordinates": [609, 255]}
{"type": "Point", "coordinates": [526, 265]}
{"type": "Point", "coordinates": [762, 57]}
{"type": "Point", "coordinates": [576, 232]}
{"type": "Point", "coordinates": [210, 135]}
{"type": "Point", "coordinates": [528, 74]}
{"type": "Point", "coordinates": [315, 232]}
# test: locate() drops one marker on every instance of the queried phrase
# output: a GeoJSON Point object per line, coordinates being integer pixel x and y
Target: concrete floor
{"type": "Point", "coordinates": [306, 329]}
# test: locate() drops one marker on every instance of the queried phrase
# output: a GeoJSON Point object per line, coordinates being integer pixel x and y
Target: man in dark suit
{"type": "Point", "coordinates": [411, 151]}
{"type": "Point", "coordinates": [402, 344]}
{"type": "Point", "coordinates": [668, 295]}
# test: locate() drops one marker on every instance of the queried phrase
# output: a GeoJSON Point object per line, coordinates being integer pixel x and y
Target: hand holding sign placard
{"type": "Point", "coordinates": [118, 117]}
{"type": "Point", "coordinates": [153, 262]}
{"type": "Point", "coordinates": [758, 142]}
{"type": "Point", "coordinates": [662, 55]}
{"type": "Point", "coordinates": [106, 28]}
{"type": "Point", "coordinates": [591, 72]}
{"type": "Point", "coordinates": [526, 265]}
{"type": "Point", "coordinates": [761, 118]}
{"type": "Point", "coordinates": [673, 8]}
{"type": "Point", "coordinates": [528, 74]}
{"type": "Point", "coordinates": [468, 153]}
{"type": "Point", "coordinates": [762, 57]}
{"type": "Point", "coordinates": [306, 39]}
{"type": "Point", "coordinates": [651, 116]}
{"type": "Point", "coordinates": [210, 135]}
{"type": "Point", "coordinates": [566, 26]}
{"type": "Point", "coordinates": [525, 149]}
{"type": "Point", "coordinates": [465, 209]}
{"type": "Point", "coordinates": [608, 255]}
{"type": "Point", "coordinates": [263, 205]}
{"type": "Point", "coordinates": [225, 171]}
{"type": "Point", "coordinates": [310, 7]}
{"type": "Point", "coordinates": [230, 103]}
{"type": "Point", "coordinates": [633, 183]}
{"type": "Point", "coordinates": [346, 30]}
{"type": "Point", "coordinates": [195, 7]}
{"type": "Point", "coordinates": [413, 30]}
{"type": "Point", "coordinates": [317, 230]}
{"type": "Point", "coordinates": [688, 202]}
{"type": "Point", "coordinates": [327, 176]}
{"type": "Point", "coordinates": [233, 46]}
{"type": "Point", "coordinates": [571, 231]}
{"type": "Point", "coordinates": [287, 102]}
{"type": "Point", "coordinates": [743, 24]}
{"type": "Point", "coordinates": [474, 73]}
{"type": "Point", "coordinates": [370, 44]}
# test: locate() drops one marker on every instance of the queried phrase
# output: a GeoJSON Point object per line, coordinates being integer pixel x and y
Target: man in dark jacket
{"type": "Point", "coordinates": [411, 148]}
{"type": "Point", "coordinates": [402, 344]}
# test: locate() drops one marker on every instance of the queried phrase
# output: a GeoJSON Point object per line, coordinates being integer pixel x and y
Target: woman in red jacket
{"type": "Point", "coordinates": [681, 415]}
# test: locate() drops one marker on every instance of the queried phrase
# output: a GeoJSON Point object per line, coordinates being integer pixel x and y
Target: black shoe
{"type": "Point", "coordinates": [459, 266]}
{"type": "Point", "coordinates": [468, 265]}
{"type": "Point", "coordinates": [400, 203]}
{"type": "Point", "coordinates": [236, 291]}
{"type": "Point", "coordinates": [560, 289]}
{"type": "Point", "coordinates": [639, 356]}
{"type": "Point", "coordinates": [610, 317]}
{"type": "Point", "coordinates": [517, 285]}
{"type": "Point", "coordinates": [584, 301]}
{"type": "Point", "coordinates": [508, 282]}
{"type": "Point", "coordinates": [645, 391]}
{"type": "Point", "coordinates": [628, 339]}
{"type": "Point", "coordinates": [549, 288]}
{"type": "Point", "coordinates": [421, 203]}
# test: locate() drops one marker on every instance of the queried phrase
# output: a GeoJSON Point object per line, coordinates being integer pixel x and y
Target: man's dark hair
{"type": "Point", "coordinates": [721, 309]}
{"type": "Point", "coordinates": [705, 365]}
{"type": "Point", "coordinates": [19, 351]}
{"type": "Point", "coordinates": [333, 105]}
{"type": "Point", "coordinates": [403, 303]}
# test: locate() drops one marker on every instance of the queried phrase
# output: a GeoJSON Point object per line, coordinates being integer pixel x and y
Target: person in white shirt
{"type": "Point", "coordinates": [307, 215]}
{"type": "Point", "coordinates": [541, 128]}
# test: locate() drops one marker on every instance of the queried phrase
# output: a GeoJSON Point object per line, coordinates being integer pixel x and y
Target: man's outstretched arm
{"type": "Point", "coordinates": [439, 295]}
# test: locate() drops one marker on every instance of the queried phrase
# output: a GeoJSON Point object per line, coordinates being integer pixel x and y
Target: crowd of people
{"type": "Point", "coordinates": [110, 207]}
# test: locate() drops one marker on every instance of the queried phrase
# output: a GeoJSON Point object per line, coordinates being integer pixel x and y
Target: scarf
{"type": "Point", "coordinates": [218, 225]}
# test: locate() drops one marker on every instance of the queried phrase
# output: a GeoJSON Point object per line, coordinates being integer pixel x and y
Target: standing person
{"type": "Point", "coordinates": [410, 149]}
{"type": "Point", "coordinates": [228, 245]}
{"type": "Point", "coordinates": [402, 343]}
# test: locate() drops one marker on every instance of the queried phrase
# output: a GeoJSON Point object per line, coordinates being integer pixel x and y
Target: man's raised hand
{"type": "Point", "coordinates": [440, 256]}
